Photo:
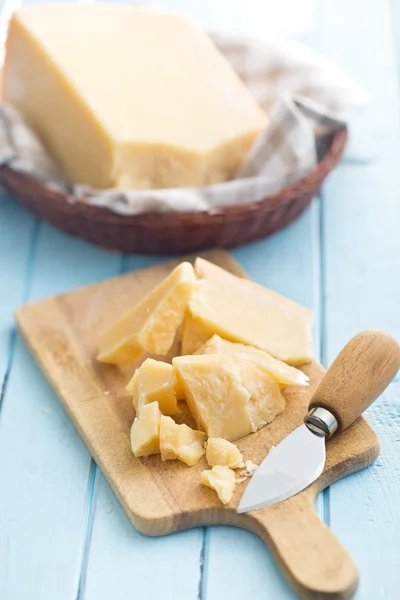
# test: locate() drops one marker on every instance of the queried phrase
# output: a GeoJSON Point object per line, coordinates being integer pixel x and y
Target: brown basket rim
{"type": "Point", "coordinates": [72, 204]}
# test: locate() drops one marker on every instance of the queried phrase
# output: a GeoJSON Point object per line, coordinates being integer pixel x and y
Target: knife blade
{"type": "Point", "coordinates": [360, 373]}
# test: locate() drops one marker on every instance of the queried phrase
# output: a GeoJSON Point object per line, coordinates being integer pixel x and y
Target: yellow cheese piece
{"type": "Point", "coordinates": [145, 432]}
{"type": "Point", "coordinates": [222, 480]}
{"type": "Point", "coordinates": [278, 370]}
{"type": "Point", "coordinates": [228, 397]}
{"type": "Point", "coordinates": [223, 453]}
{"type": "Point", "coordinates": [194, 334]}
{"type": "Point", "coordinates": [154, 381]}
{"type": "Point", "coordinates": [180, 441]}
{"type": "Point", "coordinates": [151, 325]}
{"type": "Point", "coordinates": [242, 311]}
{"type": "Point", "coordinates": [128, 97]}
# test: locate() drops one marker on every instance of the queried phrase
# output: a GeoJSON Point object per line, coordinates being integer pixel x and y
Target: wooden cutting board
{"type": "Point", "coordinates": [159, 498]}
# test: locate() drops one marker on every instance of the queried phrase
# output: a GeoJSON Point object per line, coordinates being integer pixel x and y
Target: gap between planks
{"type": "Point", "coordinates": [30, 262]}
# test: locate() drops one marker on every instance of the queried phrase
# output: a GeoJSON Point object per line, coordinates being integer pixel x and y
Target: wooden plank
{"type": "Point", "coordinates": [44, 467]}
{"type": "Point", "coordinates": [122, 563]}
{"type": "Point", "coordinates": [18, 232]}
{"type": "Point", "coordinates": [361, 249]}
{"type": "Point", "coordinates": [359, 37]}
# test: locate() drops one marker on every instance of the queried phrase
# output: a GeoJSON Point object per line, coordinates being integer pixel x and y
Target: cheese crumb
{"type": "Point", "coordinates": [250, 469]}
{"type": "Point", "coordinates": [222, 480]}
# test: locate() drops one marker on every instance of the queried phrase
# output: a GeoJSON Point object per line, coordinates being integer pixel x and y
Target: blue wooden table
{"type": "Point", "coordinates": [63, 534]}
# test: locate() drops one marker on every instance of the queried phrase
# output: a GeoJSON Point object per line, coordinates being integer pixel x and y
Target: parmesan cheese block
{"type": "Point", "coordinates": [223, 453]}
{"type": "Point", "coordinates": [152, 324]}
{"type": "Point", "coordinates": [127, 97]}
{"type": "Point", "coordinates": [228, 397]}
{"type": "Point", "coordinates": [222, 480]}
{"type": "Point", "coordinates": [154, 381]}
{"type": "Point", "coordinates": [180, 441]}
{"type": "Point", "coordinates": [145, 432]}
{"type": "Point", "coordinates": [278, 370]}
{"type": "Point", "coordinates": [242, 311]}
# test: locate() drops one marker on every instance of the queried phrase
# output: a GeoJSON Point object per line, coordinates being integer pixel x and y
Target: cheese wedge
{"type": "Point", "coordinates": [181, 442]}
{"type": "Point", "coordinates": [145, 432]}
{"type": "Point", "coordinates": [152, 324]}
{"type": "Point", "coordinates": [242, 311]}
{"type": "Point", "coordinates": [228, 397]}
{"type": "Point", "coordinates": [278, 370]}
{"type": "Point", "coordinates": [127, 97]}
{"type": "Point", "coordinates": [154, 381]}
{"type": "Point", "coordinates": [223, 453]}
{"type": "Point", "coordinates": [194, 334]}
{"type": "Point", "coordinates": [222, 480]}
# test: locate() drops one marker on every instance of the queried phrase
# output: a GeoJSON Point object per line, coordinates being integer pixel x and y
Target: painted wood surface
{"type": "Point", "coordinates": [158, 498]}
{"type": "Point", "coordinates": [62, 533]}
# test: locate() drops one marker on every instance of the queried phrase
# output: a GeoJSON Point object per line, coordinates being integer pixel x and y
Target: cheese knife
{"type": "Point", "coordinates": [359, 374]}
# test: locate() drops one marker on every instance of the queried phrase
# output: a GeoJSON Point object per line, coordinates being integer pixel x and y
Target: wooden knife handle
{"type": "Point", "coordinates": [360, 373]}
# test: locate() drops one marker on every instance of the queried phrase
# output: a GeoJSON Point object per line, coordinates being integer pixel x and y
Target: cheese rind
{"type": "Point", "coordinates": [223, 453]}
{"type": "Point", "coordinates": [112, 114]}
{"type": "Point", "coordinates": [242, 311]}
{"type": "Point", "coordinates": [228, 397]}
{"type": "Point", "coordinates": [151, 325]}
{"type": "Point", "coordinates": [222, 480]}
{"type": "Point", "coordinates": [181, 442]}
{"type": "Point", "coordinates": [154, 381]}
{"type": "Point", "coordinates": [279, 371]}
{"type": "Point", "coordinates": [145, 432]}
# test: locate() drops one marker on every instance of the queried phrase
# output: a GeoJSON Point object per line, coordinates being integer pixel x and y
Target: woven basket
{"type": "Point", "coordinates": [175, 232]}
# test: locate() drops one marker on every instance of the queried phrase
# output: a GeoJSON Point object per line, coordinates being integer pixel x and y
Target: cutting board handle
{"type": "Point", "coordinates": [310, 556]}
{"type": "Point", "coordinates": [360, 373]}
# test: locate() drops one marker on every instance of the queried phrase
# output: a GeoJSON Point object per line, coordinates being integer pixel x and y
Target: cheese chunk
{"type": "Point", "coordinates": [222, 480]}
{"type": "Point", "coordinates": [223, 453]}
{"type": "Point", "coordinates": [180, 441]}
{"type": "Point", "coordinates": [152, 324]}
{"type": "Point", "coordinates": [278, 370]}
{"type": "Point", "coordinates": [228, 397]}
{"type": "Point", "coordinates": [145, 432]}
{"type": "Point", "coordinates": [154, 381]}
{"type": "Point", "coordinates": [242, 311]}
{"type": "Point", "coordinates": [127, 97]}
{"type": "Point", "coordinates": [194, 334]}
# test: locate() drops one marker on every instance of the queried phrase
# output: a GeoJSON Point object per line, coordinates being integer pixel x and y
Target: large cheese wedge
{"type": "Point", "coordinates": [242, 311]}
{"type": "Point", "coordinates": [222, 480]}
{"type": "Point", "coordinates": [181, 442]}
{"type": "Point", "coordinates": [151, 325]}
{"type": "Point", "coordinates": [154, 381]}
{"type": "Point", "coordinates": [128, 97]}
{"type": "Point", "coordinates": [145, 432]}
{"type": "Point", "coordinates": [282, 373]}
{"type": "Point", "coordinates": [228, 397]}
